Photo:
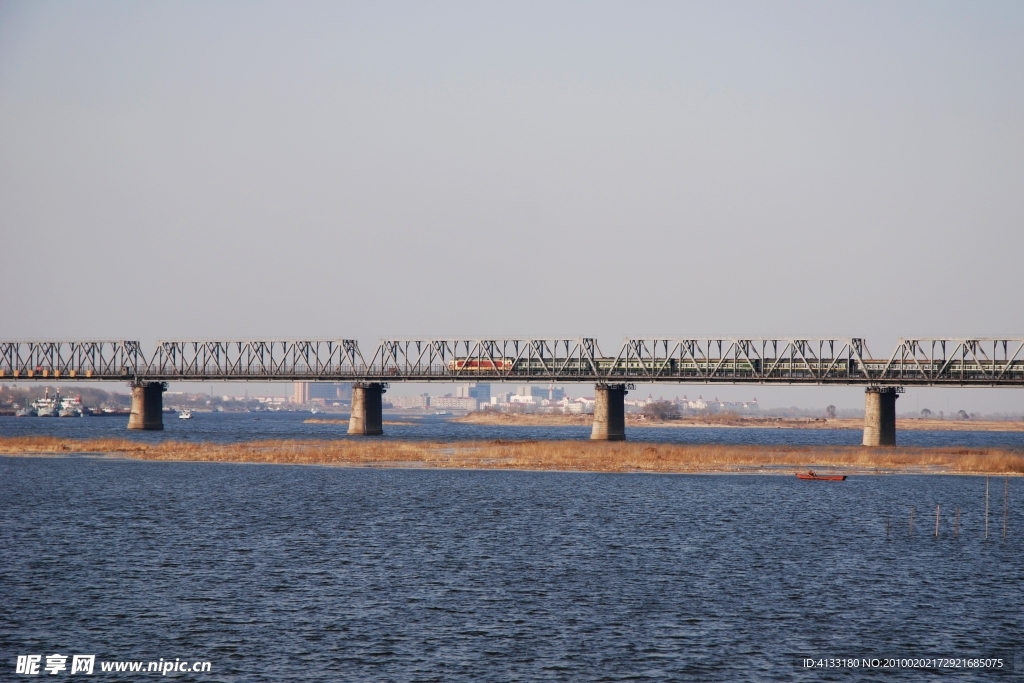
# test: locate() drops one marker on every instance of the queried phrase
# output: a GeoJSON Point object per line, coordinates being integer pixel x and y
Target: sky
{"type": "Point", "coordinates": [367, 170]}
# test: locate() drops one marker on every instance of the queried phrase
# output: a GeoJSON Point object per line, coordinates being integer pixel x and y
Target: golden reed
{"type": "Point", "coordinates": [545, 455]}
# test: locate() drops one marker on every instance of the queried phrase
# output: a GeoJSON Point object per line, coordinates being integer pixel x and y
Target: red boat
{"type": "Point", "coordinates": [820, 477]}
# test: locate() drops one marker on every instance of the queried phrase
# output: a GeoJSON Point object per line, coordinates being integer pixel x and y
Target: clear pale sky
{"type": "Point", "coordinates": [180, 170]}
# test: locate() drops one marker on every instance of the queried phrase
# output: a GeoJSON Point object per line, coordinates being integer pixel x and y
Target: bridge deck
{"type": "Point", "coordinates": [921, 362]}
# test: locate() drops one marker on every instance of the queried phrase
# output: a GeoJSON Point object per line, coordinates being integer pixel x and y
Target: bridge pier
{"type": "Point", "coordinates": [609, 413]}
{"type": "Point", "coordinates": [367, 414]}
{"type": "Point", "coordinates": [147, 405]}
{"type": "Point", "coordinates": [880, 416]}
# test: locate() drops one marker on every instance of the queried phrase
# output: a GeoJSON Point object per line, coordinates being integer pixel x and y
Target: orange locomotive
{"type": "Point", "coordinates": [480, 365]}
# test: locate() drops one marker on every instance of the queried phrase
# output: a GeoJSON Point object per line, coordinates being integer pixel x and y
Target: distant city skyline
{"type": "Point", "coordinates": [987, 401]}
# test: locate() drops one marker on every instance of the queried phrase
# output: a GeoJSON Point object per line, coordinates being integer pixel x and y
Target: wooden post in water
{"type": "Point", "coordinates": [986, 508]}
{"type": "Point", "coordinates": [1006, 503]}
{"type": "Point", "coordinates": [911, 521]}
{"type": "Point", "coordinates": [937, 507]}
{"type": "Point", "coordinates": [956, 524]}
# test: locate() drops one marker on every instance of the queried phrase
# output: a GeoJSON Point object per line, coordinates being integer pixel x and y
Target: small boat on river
{"type": "Point", "coordinates": [810, 475]}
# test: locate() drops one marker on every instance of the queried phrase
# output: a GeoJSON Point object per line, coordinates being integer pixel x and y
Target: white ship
{"type": "Point", "coordinates": [71, 407]}
{"type": "Point", "coordinates": [185, 414]}
{"type": "Point", "coordinates": [46, 406]}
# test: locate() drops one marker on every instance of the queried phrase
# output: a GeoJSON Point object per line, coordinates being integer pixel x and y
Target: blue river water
{"type": "Point", "coordinates": [288, 573]}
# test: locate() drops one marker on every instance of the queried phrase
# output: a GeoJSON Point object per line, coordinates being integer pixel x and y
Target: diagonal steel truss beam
{"type": "Point", "coordinates": [729, 360]}
{"type": "Point", "coordinates": [35, 360]}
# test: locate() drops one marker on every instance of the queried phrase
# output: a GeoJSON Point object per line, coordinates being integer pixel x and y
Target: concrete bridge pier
{"type": "Point", "coordinates": [147, 405]}
{"type": "Point", "coordinates": [367, 416]}
{"type": "Point", "coordinates": [880, 416]}
{"type": "Point", "coordinates": [609, 413]}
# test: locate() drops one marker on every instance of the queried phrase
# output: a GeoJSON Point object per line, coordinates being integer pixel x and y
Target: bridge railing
{"type": "Point", "coordinates": [975, 361]}
{"type": "Point", "coordinates": [555, 358]}
{"type": "Point", "coordinates": [926, 362]}
{"type": "Point", "coordinates": [747, 359]}
{"type": "Point", "coordinates": [107, 359]}
{"type": "Point", "coordinates": [257, 359]}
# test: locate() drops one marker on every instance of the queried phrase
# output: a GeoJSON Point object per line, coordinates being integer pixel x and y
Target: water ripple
{"type": "Point", "coordinates": [285, 573]}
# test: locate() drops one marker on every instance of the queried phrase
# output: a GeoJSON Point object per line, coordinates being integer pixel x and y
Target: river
{"type": "Point", "coordinates": [279, 573]}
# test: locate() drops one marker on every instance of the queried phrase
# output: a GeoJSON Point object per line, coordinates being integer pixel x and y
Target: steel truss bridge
{"type": "Point", "coordinates": [915, 362]}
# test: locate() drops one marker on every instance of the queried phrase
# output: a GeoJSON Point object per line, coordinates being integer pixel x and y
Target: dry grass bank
{"type": "Point", "coordinates": [547, 455]}
{"type": "Point", "coordinates": [960, 425]}
{"type": "Point", "coordinates": [637, 420]}
{"type": "Point", "coordinates": [741, 421]}
{"type": "Point", "coordinates": [486, 417]}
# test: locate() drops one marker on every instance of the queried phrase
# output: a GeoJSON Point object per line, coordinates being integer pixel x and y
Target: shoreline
{"type": "Point", "coordinates": [551, 456]}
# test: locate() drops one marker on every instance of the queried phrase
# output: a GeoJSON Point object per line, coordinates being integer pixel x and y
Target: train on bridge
{"type": "Point", "coordinates": [930, 362]}
{"type": "Point", "coordinates": [937, 362]}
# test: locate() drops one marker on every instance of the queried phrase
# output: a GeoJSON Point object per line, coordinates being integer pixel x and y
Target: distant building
{"type": "Point", "coordinates": [455, 402]}
{"type": "Point", "coordinates": [421, 401]}
{"type": "Point", "coordinates": [550, 392]}
{"type": "Point", "coordinates": [693, 403]}
{"type": "Point", "coordinates": [574, 408]}
{"type": "Point", "coordinates": [304, 392]}
{"type": "Point", "coordinates": [739, 406]}
{"type": "Point", "coordinates": [700, 404]}
{"type": "Point", "coordinates": [481, 392]}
